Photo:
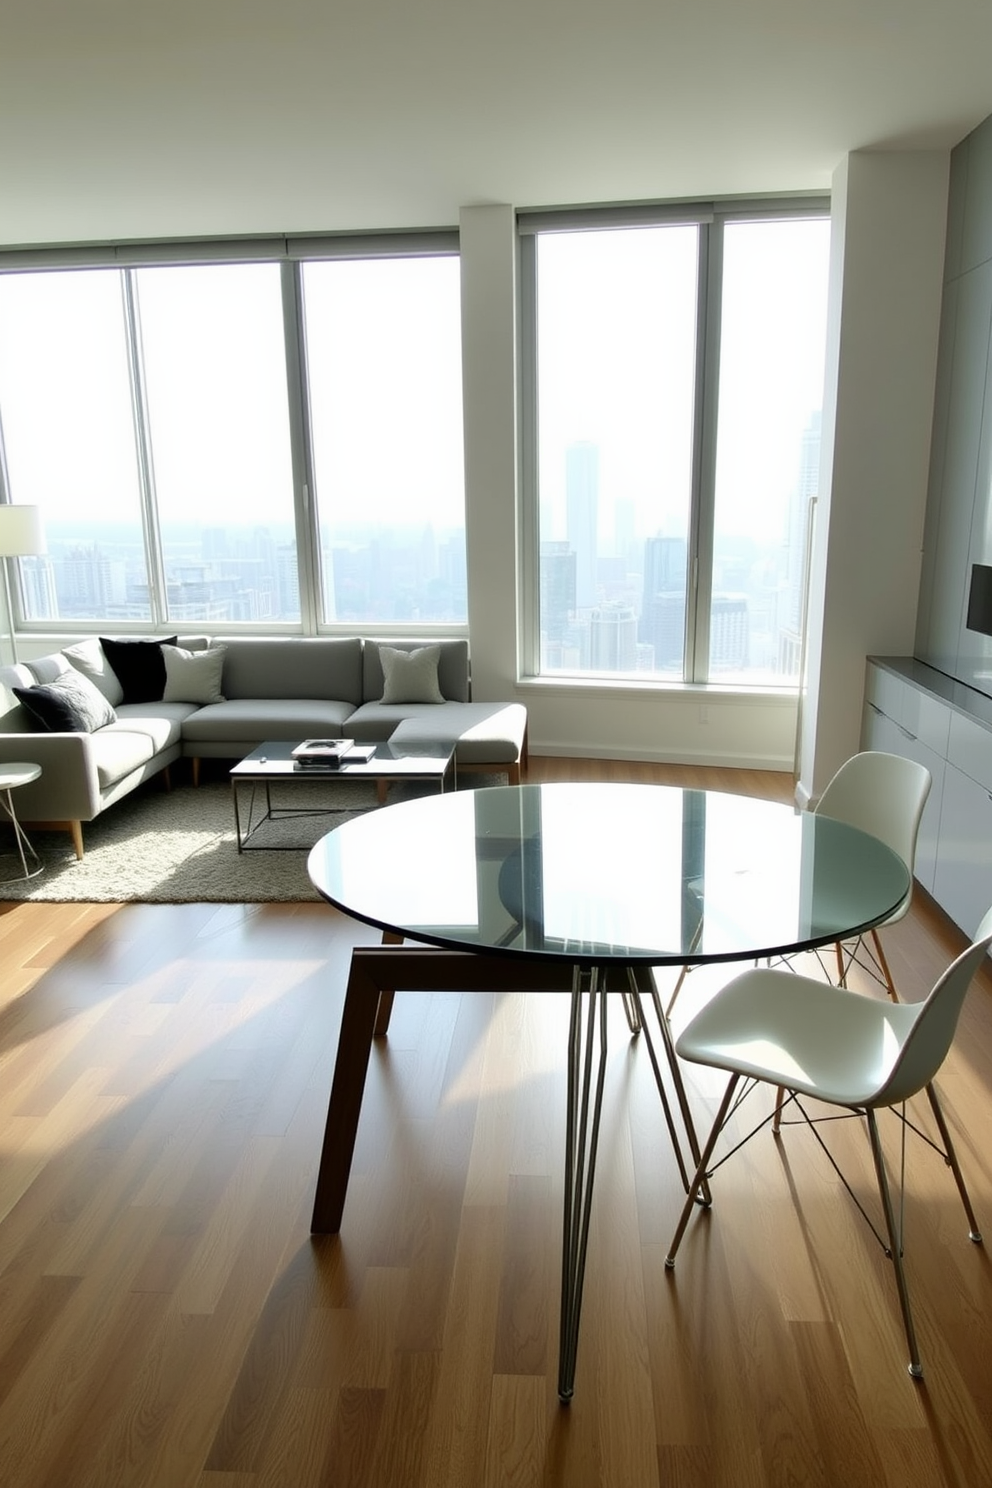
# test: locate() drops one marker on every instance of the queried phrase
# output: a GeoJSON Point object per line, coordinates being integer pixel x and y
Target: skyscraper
{"type": "Point", "coordinates": [582, 516]}
{"type": "Point", "coordinates": [613, 638]}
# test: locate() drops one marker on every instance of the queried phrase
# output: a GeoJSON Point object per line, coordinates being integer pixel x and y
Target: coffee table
{"type": "Point", "coordinates": [578, 888]}
{"type": "Point", "coordinates": [272, 764]}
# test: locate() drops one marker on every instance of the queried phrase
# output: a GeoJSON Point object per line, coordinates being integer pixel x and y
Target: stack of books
{"type": "Point", "coordinates": [331, 754]}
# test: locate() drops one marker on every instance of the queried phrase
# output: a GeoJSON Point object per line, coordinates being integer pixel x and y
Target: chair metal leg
{"type": "Point", "coordinates": [699, 1177]}
{"type": "Point", "coordinates": [951, 1158]}
{"type": "Point", "coordinates": [676, 990]}
{"type": "Point", "coordinates": [895, 1245]}
{"type": "Point", "coordinates": [841, 968]}
{"type": "Point", "coordinates": [581, 1139]}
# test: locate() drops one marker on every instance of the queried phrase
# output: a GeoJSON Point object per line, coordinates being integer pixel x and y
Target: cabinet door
{"type": "Point", "coordinates": [880, 732]}
{"type": "Point", "coordinates": [963, 880]}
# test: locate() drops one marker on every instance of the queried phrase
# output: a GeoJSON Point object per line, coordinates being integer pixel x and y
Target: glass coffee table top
{"type": "Point", "coordinates": [274, 760]}
{"type": "Point", "coordinates": [596, 872]}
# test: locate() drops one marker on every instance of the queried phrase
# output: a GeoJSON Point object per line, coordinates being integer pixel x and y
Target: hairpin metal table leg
{"type": "Point", "coordinates": [581, 1140]}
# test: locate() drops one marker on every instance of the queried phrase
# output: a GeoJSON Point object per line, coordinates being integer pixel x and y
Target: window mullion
{"type": "Point", "coordinates": [154, 565]}
{"type": "Point", "coordinates": [700, 576]}
{"type": "Point", "coordinates": [305, 507]}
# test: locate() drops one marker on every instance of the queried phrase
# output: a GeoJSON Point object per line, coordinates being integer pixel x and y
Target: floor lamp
{"type": "Point", "coordinates": [21, 536]}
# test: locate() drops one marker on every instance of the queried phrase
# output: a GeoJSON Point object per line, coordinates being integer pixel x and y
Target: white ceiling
{"type": "Point", "coordinates": [130, 119]}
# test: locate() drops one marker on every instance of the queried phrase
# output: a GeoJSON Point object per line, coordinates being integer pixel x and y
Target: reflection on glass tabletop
{"type": "Point", "coordinates": [591, 872]}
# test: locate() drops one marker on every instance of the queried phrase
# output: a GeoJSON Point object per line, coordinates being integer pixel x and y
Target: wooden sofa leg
{"type": "Point", "coordinates": [196, 769]}
{"type": "Point", "coordinates": [76, 828]}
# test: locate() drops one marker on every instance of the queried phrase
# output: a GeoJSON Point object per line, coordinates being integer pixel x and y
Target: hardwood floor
{"type": "Point", "coordinates": [167, 1319]}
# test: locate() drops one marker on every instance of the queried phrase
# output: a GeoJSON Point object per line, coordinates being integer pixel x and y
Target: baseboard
{"type": "Point", "coordinates": [726, 760]}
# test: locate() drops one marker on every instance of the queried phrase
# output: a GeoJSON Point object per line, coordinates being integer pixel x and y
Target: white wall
{"type": "Point", "coordinates": [889, 215]}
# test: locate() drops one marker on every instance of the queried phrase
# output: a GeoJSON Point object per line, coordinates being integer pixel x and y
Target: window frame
{"type": "Point", "coordinates": [711, 218]}
{"type": "Point", "coordinates": [291, 253]}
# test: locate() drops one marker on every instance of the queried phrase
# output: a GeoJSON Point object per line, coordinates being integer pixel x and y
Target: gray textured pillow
{"type": "Point", "coordinates": [193, 676]}
{"type": "Point", "coordinates": [410, 676]}
{"type": "Point", "coordinates": [69, 705]}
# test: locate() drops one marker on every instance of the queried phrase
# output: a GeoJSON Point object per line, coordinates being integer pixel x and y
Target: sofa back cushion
{"type": "Point", "coordinates": [452, 668]}
{"type": "Point", "coordinates": [319, 667]}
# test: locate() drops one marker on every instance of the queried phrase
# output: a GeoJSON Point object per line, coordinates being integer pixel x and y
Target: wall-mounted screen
{"type": "Point", "coordinates": [980, 599]}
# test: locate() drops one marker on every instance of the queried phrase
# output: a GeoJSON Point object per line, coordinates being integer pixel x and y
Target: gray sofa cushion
{"type": "Point", "coordinates": [117, 752]}
{"type": "Point", "coordinates": [162, 722]}
{"type": "Point", "coordinates": [298, 667]}
{"type": "Point", "coordinates": [249, 721]}
{"type": "Point", "coordinates": [484, 732]}
{"type": "Point", "coordinates": [452, 669]}
{"type": "Point", "coordinates": [47, 668]}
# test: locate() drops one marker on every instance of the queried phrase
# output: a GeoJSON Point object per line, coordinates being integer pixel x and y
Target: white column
{"type": "Point", "coordinates": [489, 320]}
{"type": "Point", "coordinates": [889, 213]}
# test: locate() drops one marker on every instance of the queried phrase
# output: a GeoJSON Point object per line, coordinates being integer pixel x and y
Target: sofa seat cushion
{"type": "Point", "coordinates": [162, 722]}
{"type": "Point", "coordinates": [485, 733]}
{"type": "Point", "coordinates": [117, 752]}
{"type": "Point", "coordinates": [250, 721]}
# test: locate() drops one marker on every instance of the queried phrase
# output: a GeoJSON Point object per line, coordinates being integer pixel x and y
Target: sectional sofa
{"type": "Point", "coordinates": [104, 715]}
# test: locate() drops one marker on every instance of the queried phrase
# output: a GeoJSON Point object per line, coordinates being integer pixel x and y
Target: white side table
{"type": "Point", "coordinates": [12, 776]}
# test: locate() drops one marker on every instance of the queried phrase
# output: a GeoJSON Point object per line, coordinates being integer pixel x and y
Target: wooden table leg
{"type": "Point", "coordinates": [361, 1005]}
{"type": "Point", "coordinates": [376, 972]}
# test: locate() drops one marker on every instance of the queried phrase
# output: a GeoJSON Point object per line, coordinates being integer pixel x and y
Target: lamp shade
{"type": "Point", "coordinates": [21, 531]}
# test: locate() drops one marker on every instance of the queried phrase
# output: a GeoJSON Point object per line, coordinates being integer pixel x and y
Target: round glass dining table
{"type": "Point", "coordinates": [590, 873]}
{"type": "Point", "coordinates": [578, 887]}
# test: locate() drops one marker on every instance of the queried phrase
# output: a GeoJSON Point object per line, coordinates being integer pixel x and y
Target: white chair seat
{"type": "Point", "coordinates": [805, 1035]}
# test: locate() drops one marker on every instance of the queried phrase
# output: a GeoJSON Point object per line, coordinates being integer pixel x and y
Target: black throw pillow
{"type": "Point", "coordinates": [139, 667]}
{"type": "Point", "coordinates": [69, 705]}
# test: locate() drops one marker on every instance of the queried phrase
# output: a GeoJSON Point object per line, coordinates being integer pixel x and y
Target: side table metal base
{"type": "Point", "coordinates": [24, 846]}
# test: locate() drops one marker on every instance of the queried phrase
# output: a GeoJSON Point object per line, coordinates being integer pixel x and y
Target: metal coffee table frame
{"type": "Point", "coordinates": [272, 763]}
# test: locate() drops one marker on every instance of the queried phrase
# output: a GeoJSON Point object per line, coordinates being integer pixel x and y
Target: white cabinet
{"type": "Point", "coordinates": [888, 704]}
{"type": "Point", "coordinates": [963, 883]}
{"type": "Point", "coordinates": [904, 714]}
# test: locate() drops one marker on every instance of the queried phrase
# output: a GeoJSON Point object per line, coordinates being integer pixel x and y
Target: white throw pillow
{"type": "Point", "coordinates": [410, 676]}
{"type": "Point", "coordinates": [193, 676]}
{"type": "Point", "coordinates": [89, 658]}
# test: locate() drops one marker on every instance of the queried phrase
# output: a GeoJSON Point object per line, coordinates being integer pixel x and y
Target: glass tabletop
{"type": "Point", "coordinates": [595, 872]}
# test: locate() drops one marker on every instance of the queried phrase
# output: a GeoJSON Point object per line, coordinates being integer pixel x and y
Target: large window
{"type": "Point", "coordinates": [68, 433]}
{"type": "Point", "coordinates": [383, 357]}
{"type": "Point", "coordinates": [271, 443]}
{"type": "Point", "coordinates": [677, 372]}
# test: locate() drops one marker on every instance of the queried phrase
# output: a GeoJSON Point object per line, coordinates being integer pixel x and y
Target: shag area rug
{"type": "Point", "coordinates": [179, 846]}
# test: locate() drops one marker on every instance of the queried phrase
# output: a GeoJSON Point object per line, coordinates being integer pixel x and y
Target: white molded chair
{"type": "Point", "coordinates": [883, 794]}
{"type": "Point", "coordinates": [813, 1039]}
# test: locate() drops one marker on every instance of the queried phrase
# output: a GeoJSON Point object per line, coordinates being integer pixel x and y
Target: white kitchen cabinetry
{"type": "Point", "coordinates": [915, 711]}
{"type": "Point", "coordinates": [899, 719]}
